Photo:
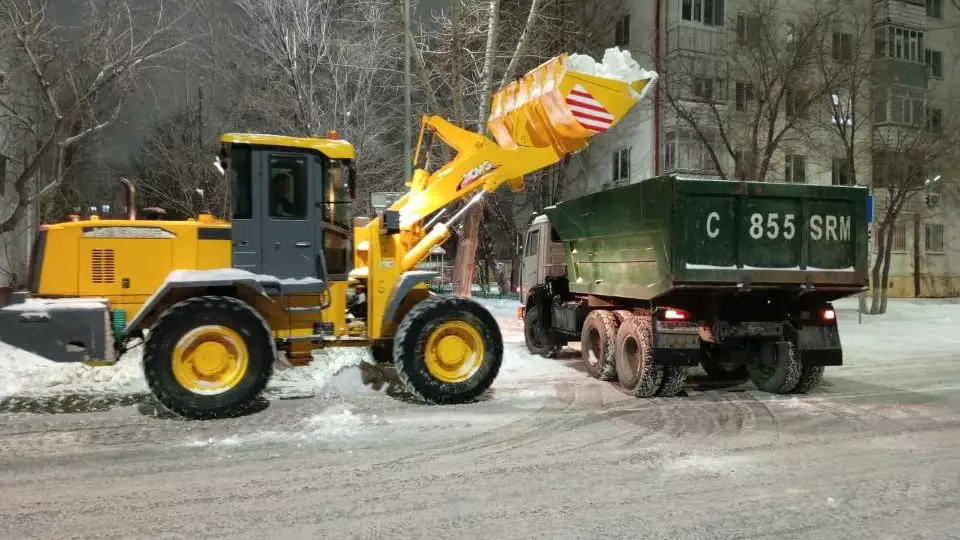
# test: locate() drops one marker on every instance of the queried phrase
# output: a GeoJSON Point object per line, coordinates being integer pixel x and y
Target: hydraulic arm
{"type": "Point", "coordinates": [535, 121]}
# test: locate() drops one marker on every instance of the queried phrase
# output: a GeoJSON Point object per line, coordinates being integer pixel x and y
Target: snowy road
{"type": "Point", "coordinates": [550, 454]}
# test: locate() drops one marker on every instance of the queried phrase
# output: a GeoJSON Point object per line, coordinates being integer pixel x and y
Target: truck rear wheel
{"type": "Point", "coordinates": [447, 349]}
{"type": "Point", "coordinates": [208, 357]}
{"type": "Point", "coordinates": [674, 377]}
{"type": "Point", "coordinates": [716, 361]}
{"type": "Point", "coordinates": [536, 333]}
{"type": "Point", "coordinates": [776, 372]}
{"type": "Point", "coordinates": [810, 378]}
{"type": "Point", "coordinates": [598, 344]}
{"type": "Point", "coordinates": [634, 358]}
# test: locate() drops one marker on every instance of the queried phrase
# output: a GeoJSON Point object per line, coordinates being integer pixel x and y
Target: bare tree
{"type": "Point", "coordinates": [72, 81]}
{"type": "Point", "coordinates": [755, 95]}
{"type": "Point", "coordinates": [316, 65]}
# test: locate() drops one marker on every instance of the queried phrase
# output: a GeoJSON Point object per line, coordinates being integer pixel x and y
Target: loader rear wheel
{"type": "Point", "coordinates": [776, 372]}
{"type": "Point", "coordinates": [208, 357]}
{"type": "Point", "coordinates": [598, 344]}
{"type": "Point", "coordinates": [448, 349]}
{"type": "Point", "coordinates": [536, 334]}
{"type": "Point", "coordinates": [634, 358]}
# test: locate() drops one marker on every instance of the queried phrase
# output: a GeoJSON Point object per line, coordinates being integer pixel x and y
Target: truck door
{"type": "Point", "coordinates": [289, 226]}
{"type": "Point", "coordinates": [531, 263]}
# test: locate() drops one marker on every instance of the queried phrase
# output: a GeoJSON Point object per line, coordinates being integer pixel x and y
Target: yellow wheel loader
{"type": "Point", "coordinates": [214, 302]}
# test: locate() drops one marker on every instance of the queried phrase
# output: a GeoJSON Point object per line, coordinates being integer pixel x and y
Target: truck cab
{"type": "Point", "coordinates": [541, 256]}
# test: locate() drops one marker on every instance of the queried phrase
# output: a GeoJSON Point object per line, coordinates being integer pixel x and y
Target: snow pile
{"type": "Point", "coordinates": [22, 373]}
{"type": "Point", "coordinates": [617, 64]}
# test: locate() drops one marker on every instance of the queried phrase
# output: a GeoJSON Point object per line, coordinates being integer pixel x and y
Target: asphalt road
{"type": "Point", "coordinates": [875, 453]}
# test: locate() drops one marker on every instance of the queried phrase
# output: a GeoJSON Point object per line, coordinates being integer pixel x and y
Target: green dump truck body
{"type": "Point", "coordinates": [646, 239]}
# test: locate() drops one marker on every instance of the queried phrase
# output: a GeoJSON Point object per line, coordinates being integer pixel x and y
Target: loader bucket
{"type": "Point", "coordinates": [554, 105]}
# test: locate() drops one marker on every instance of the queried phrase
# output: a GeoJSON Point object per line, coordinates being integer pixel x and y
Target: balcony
{"type": "Point", "coordinates": [908, 13]}
{"type": "Point", "coordinates": [696, 38]}
{"type": "Point", "coordinates": [897, 72]}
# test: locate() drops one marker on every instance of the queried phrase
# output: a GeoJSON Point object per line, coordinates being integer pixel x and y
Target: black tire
{"type": "Point", "coordinates": [715, 360]}
{"type": "Point", "coordinates": [674, 377]}
{"type": "Point", "coordinates": [536, 333]}
{"type": "Point", "coordinates": [187, 315]}
{"type": "Point", "coordinates": [410, 343]}
{"type": "Point", "coordinates": [779, 374]}
{"type": "Point", "coordinates": [382, 352]}
{"type": "Point", "coordinates": [598, 344]}
{"type": "Point", "coordinates": [810, 378]}
{"type": "Point", "coordinates": [634, 356]}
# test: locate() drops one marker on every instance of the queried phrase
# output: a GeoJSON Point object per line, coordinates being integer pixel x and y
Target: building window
{"type": "Point", "coordinates": [899, 232]}
{"type": "Point", "coordinates": [621, 165]}
{"type": "Point", "coordinates": [744, 95]}
{"type": "Point", "coordinates": [707, 12]}
{"type": "Point", "coordinates": [933, 238]}
{"type": "Point", "coordinates": [709, 88]}
{"type": "Point", "coordinates": [669, 155]}
{"type": "Point", "coordinates": [900, 106]}
{"type": "Point", "coordinates": [935, 9]}
{"type": "Point", "coordinates": [841, 172]}
{"type": "Point", "coordinates": [899, 43]}
{"type": "Point", "coordinates": [841, 108]}
{"type": "Point", "coordinates": [934, 120]}
{"type": "Point", "coordinates": [748, 29]}
{"type": "Point", "coordinates": [795, 102]}
{"type": "Point", "coordinates": [685, 151]}
{"type": "Point", "coordinates": [796, 169]}
{"type": "Point", "coordinates": [934, 61]}
{"type": "Point", "coordinates": [744, 164]}
{"type": "Point", "coordinates": [842, 46]}
{"type": "Point", "coordinates": [622, 38]}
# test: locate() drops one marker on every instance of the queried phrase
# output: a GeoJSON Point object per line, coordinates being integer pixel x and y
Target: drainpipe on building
{"type": "Point", "coordinates": [656, 88]}
{"type": "Point", "coordinates": [916, 255]}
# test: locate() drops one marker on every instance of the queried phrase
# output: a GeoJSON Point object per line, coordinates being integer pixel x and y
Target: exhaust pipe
{"type": "Point", "coordinates": [131, 198]}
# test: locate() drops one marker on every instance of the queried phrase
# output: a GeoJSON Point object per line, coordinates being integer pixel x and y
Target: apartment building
{"type": "Point", "coordinates": [909, 52]}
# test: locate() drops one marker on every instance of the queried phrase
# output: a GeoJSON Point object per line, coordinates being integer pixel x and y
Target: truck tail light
{"type": "Point", "coordinates": [828, 315]}
{"type": "Point", "coordinates": [672, 314]}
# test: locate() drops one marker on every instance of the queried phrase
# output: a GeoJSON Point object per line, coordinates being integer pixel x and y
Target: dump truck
{"type": "Point", "coordinates": [217, 302]}
{"type": "Point", "coordinates": [655, 277]}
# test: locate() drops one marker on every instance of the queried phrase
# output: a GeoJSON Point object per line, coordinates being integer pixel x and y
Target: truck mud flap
{"type": "Point", "coordinates": [820, 345]}
{"type": "Point", "coordinates": [59, 330]}
{"type": "Point", "coordinates": [676, 344]}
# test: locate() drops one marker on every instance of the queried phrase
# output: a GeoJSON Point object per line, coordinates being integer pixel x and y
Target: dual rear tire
{"type": "Point", "coordinates": [619, 345]}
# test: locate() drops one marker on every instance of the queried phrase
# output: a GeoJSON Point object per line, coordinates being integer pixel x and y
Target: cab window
{"type": "Point", "coordinates": [336, 200]}
{"type": "Point", "coordinates": [533, 243]}
{"type": "Point", "coordinates": [241, 192]}
{"type": "Point", "coordinates": [288, 187]}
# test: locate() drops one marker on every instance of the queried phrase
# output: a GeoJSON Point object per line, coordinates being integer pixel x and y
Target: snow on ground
{"type": "Point", "coordinates": [911, 328]}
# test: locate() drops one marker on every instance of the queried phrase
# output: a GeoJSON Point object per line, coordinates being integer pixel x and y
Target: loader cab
{"type": "Point", "coordinates": [290, 204]}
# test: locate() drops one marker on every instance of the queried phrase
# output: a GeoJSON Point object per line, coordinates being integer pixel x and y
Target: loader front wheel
{"type": "Point", "coordinates": [448, 349]}
{"type": "Point", "coordinates": [208, 357]}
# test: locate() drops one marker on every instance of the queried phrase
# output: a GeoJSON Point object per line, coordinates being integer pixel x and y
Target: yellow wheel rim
{"type": "Point", "coordinates": [454, 352]}
{"type": "Point", "coordinates": [210, 360]}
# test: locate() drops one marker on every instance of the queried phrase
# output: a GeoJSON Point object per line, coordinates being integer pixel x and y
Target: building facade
{"type": "Point", "coordinates": [703, 118]}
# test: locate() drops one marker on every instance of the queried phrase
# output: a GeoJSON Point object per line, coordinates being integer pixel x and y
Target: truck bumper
{"type": "Point", "coordinates": [60, 330]}
{"type": "Point", "coordinates": [676, 344]}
